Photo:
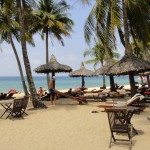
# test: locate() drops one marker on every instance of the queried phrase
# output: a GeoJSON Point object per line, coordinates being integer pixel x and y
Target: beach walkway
{"type": "Point", "coordinates": [67, 126]}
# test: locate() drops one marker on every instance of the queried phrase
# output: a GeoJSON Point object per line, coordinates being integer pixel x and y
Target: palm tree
{"type": "Point", "coordinates": [101, 22]}
{"type": "Point", "coordinates": [131, 22]}
{"type": "Point", "coordinates": [9, 27]}
{"type": "Point", "coordinates": [35, 99]}
{"type": "Point", "coordinates": [99, 55]}
{"type": "Point", "coordinates": [138, 48]}
{"type": "Point", "coordinates": [52, 20]}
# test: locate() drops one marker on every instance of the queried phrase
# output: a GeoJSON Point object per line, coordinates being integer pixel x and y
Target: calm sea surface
{"type": "Point", "coordinates": [62, 82]}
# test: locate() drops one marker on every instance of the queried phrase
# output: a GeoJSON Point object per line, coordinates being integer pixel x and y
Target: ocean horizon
{"type": "Point", "coordinates": [62, 82]}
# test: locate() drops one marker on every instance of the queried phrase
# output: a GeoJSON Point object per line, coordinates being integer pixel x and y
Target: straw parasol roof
{"type": "Point", "coordinates": [103, 70]}
{"type": "Point", "coordinates": [82, 72]}
{"type": "Point", "coordinates": [53, 66]}
{"type": "Point", "coordinates": [145, 73]}
{"type": "Point", "coordinates": [129, 64]}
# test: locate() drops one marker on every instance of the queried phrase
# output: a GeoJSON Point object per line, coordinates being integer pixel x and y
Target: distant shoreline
{"type": "Point", "coordinates": [62, 82]}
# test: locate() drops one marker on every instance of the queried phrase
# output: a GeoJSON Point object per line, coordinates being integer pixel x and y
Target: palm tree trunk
{"type": "Point", "coordinates": [128, 49]}
{"type": "Point", "coordinates": [19, 66]}
{"type": "Point", "coordinates": [141, 79]}
{"type": "Point", "coordinates": [35, 99]}
{"type": "Point", "coordinates": [148, 82]}
{"type": "Point", "coordinates": [109, 61]}
{"type": "Point", "coordinates": [47, 58]}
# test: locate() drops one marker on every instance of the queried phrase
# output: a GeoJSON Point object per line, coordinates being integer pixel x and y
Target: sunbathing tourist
{"type": "Point", "coordinates": [41, 91]}
{"type": "Point", "coordinates": [75, 93]}
{"type": "Point", "coordinates": [113, 94]}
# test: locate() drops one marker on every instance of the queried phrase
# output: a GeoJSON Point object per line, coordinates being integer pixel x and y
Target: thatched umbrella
{"type": "Point", "coordinates": [82, 72]}
{"type": "Point", "coordinates": [129, 65]}
{"type": "Point", "coordinates": [52, 66]}
{"type": "Point", "coordinates": [103, 71]}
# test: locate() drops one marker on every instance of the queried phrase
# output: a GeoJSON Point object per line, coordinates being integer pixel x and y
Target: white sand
{"type": "Point", "coordinates": [67, 126]}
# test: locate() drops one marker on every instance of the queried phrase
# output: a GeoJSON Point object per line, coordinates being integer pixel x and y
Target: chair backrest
{"type": "Point", "coordinates": [25, 102]}
{"type": "Point", "coordinates": [17, 106]}
{"type": "Point", "coordinates": [118, 122]}
{"type": "Point", "coordinates": [117, 117]}
{"type": "Point", "coordinates": [137, 97]}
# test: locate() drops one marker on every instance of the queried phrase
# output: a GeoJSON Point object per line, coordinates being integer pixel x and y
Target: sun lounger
{"type": "Point", "coordinates": [134, 101]}
{"type": "Point", "coordinates": [7, 96]}
{"type": "Point", "coordinates": [79, 99]}
{"type": "Point", "coordinates": [95, 98]}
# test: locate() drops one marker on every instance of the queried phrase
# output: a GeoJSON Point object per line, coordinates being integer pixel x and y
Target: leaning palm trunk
{"type": "Point", "coordinates": [141, 79]}
{"type": "Point", "coordinates": [148, 82]}
{"type": "Point", "coordinates": [47, 57]}
{"type": "Point", "coordinates": [128, 49]}
{"type": "Point", "coordinates": [104, 82]}
{"type": "Point", "coordinates": [109, 60]}
{"type": "Point", "coordinates": [104, 78]}
{"type": "Point", "coordinates": [19, 66]}
{"type": "Point", "coordinates": [35, 99]}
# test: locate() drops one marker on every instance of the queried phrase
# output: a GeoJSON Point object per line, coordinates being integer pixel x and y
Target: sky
{"type": "Point", "coordinates": [71, 54]}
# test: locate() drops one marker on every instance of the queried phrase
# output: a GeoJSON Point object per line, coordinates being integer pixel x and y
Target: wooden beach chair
{"type": "Point", "coordinates": [134, 101]}
{"type": "Point", "coordinates": [118, 123]}
{"type": "Point", "coordinates": [16, 111]}
{"type": "Point", "coordinates": [24, 105]}
{"type": "Point", "coordinates": [95, 98]}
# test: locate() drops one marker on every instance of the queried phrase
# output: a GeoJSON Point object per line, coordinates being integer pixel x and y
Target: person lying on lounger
{"type": "Point", "coordinates": [73, 93]}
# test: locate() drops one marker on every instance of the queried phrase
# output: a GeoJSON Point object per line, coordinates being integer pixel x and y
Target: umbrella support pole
{"type": "Point", "coordinates": [83, 81]}
{"type": "Point", "coordinates": [132, 84]}
{"type": "Point", "coordinates": [112, 85]}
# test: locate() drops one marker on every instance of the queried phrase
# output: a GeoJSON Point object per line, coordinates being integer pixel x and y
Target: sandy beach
{"type": "Point", "coordinates": [67, 126]}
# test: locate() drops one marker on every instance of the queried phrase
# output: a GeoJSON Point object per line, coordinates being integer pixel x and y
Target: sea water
{"type": "Point", "coordinates": [62, 82]}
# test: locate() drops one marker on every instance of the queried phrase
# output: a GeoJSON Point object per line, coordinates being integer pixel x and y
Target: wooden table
{"type": "Point", "coordinates": [6, 104]}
